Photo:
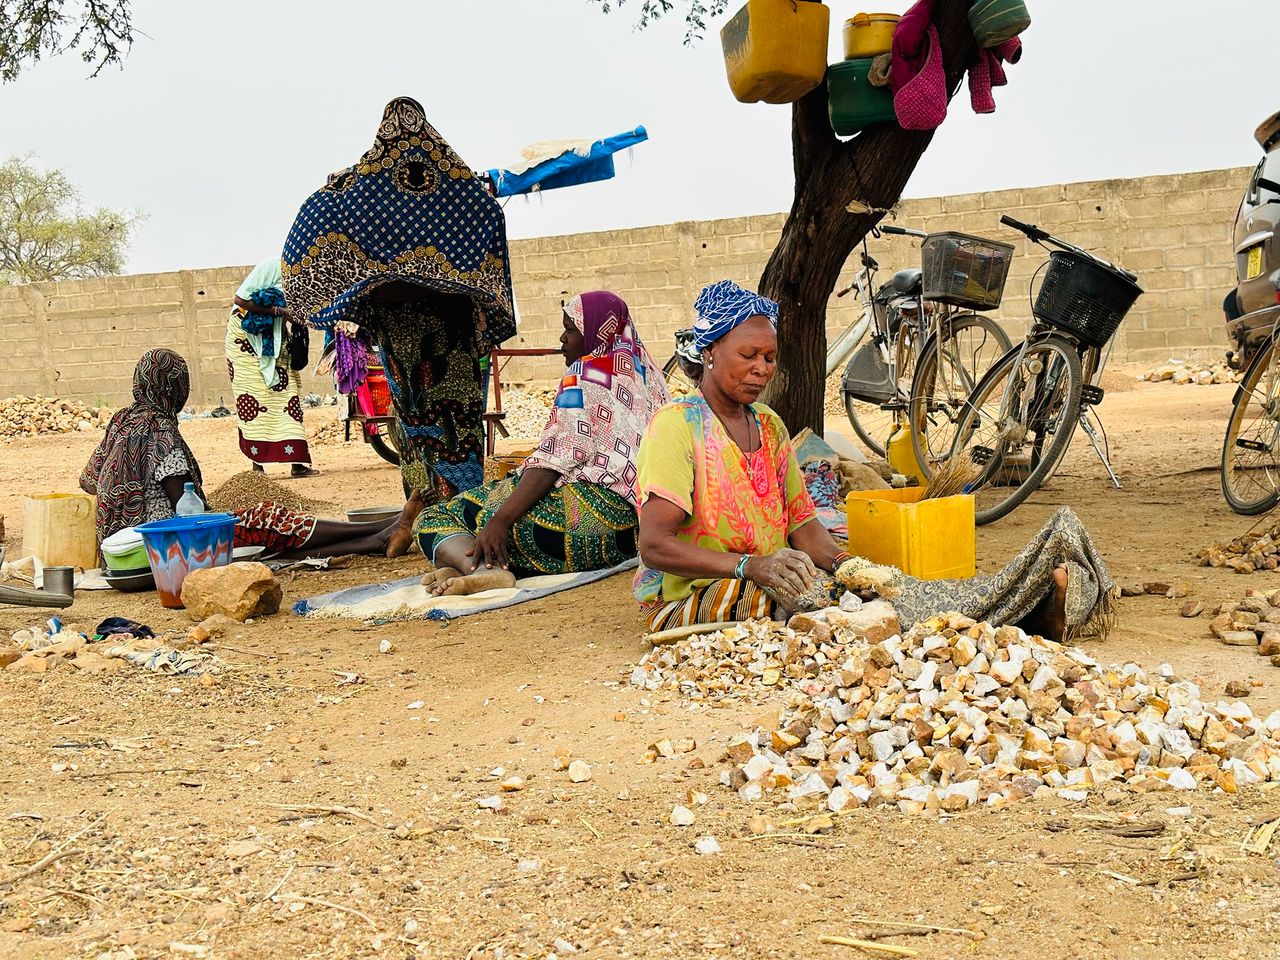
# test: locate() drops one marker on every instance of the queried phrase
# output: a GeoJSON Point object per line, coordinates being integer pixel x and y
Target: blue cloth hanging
{"type": "Point", "coordinates": [568, 169]}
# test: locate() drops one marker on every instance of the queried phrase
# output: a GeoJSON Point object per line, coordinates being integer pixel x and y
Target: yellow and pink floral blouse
{"type": "Point", "coordinates": [733, 502]}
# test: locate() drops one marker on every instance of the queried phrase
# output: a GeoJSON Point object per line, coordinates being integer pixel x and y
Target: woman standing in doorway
{"type": "Point", "coordinates": [268, 393]}
{"type": "Point", "coordinates": [408, 245]}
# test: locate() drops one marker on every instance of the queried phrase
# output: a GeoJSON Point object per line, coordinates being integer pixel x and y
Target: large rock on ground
{"type": "Point", "coordinates": [238, 591]}
{"type": "Point", "coordinates": [876, 621]}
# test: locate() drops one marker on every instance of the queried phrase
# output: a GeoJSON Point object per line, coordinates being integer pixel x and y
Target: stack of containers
{"type": "Point", "coordinates": [853, 102]}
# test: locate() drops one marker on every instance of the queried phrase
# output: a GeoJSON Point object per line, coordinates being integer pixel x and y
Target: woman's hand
{"type": "Point", "coordinates": [786, 571]}
{"type": "Point", "coordinates": [491, 545]}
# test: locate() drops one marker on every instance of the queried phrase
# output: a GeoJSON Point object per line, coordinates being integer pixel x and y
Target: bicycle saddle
{"type": "Point", "coordinates": [907, 281]}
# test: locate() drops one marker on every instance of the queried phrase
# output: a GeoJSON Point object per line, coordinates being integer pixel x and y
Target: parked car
{"type": "Point", "coordinates": [1257, 249]}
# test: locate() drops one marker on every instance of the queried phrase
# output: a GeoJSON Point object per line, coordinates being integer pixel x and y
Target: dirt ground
{"type": "Point", "coordinates": [168, 794]}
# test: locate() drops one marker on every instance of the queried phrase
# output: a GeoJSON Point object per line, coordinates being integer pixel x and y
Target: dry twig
{"type": "Point", "coordinates": [886, 948]}
{"type": "Point", "coordinates": [43, 863]}
{"type": "Point", "coordinates": [316, 901]}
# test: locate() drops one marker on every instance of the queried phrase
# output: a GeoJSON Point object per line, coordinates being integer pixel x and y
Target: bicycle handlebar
{"type": "Point", "coordinates": [902, 231]}
{"type": "Point", "coordinates": [1036, 235]}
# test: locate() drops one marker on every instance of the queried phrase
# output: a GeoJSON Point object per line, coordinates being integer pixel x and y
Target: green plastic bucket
{"type": "Point", "coordinates": [995, 21]}
{"type": "Point", "coordinates": [852, 102]}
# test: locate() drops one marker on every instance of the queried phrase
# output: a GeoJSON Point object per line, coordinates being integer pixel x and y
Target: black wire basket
{"type": "Point", "coordinates": [964, 270]}
{"type": "Point", "coordinates": [1084, 298]}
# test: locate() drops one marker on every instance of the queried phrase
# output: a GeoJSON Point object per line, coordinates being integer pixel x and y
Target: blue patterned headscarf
{"type": "Point", "coordinates": [723, 306]}
{"type": "Point", "coordinates": [410, 210]}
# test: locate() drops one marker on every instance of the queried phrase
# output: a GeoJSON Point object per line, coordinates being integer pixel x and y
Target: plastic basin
{"type": "Point", "coordinates": [124, 550]}
{"type": "Point", "coordinates": [176, 547]}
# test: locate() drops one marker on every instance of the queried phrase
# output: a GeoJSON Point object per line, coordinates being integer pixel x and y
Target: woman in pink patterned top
{"type": "Point", "coordinates": [572, 504]}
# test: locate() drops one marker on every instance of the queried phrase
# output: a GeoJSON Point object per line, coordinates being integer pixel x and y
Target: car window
{"type": "Point", "coordinates": [1271, 171]}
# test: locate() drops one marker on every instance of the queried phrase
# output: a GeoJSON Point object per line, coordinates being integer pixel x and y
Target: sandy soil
{"type": "Point", "coordinates": [169, 792]}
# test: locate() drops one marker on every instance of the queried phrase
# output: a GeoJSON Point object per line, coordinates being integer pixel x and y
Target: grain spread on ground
{"type": "Point", "coordinates": [35, 416]}
{"type": "Point", "coordinates": [955, 714]}
{"type": "Point", "coordinates": [244, 489]}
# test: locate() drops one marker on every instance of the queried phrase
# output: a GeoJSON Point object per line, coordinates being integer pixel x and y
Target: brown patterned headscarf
{"type": "Point", "coordinates": [138, 439]}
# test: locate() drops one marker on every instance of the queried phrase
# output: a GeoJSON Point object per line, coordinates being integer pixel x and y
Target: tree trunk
{"type": "Point", "coordinates": [820, 232]}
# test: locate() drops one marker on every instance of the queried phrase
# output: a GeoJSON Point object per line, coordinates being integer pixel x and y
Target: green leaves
{"type": "Point", "coordinates": [101, 30]}
{"type": "Point", "coordinates": [696, 14]}
{"type": "Point", "coordinates": [44, 235]}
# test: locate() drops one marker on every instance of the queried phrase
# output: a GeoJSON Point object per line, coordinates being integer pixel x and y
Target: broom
{"type": "Point", "coordinates": [951, 477]}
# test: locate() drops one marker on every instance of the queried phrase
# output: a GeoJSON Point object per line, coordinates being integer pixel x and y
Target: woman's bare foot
{"type": "Point", "coordinates": [259, 468]}
{"type": "Point", "coordinates": [436, 580]}
{"type": "Point", "coordinates": [1055, 614]}
{"type": "Point", "coordinates": [401, 537]}
{"type": "Point", "coordinates": [479, 582]}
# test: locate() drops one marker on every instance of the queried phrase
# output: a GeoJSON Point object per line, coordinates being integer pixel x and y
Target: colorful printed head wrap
{"type": "Point", "coordinates": [409, 210]}
{"type": "Point", "coordinates": [723, 306]}
{"type": "Point", "coordinates": [605, 400]}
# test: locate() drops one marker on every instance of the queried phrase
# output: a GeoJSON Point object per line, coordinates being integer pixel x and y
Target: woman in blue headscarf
{"type": "Point", "coordinates": [729, 532]}
{"type": "Point", "coordinates": [409, 246]}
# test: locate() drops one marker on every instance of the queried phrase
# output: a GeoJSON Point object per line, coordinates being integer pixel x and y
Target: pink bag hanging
{"type": "Point", "coordinates": [921, 103]}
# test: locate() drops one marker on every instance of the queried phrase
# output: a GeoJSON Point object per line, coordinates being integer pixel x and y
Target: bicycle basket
{"type": "Point", "coordinates": [964, 270]}
{"type": "Point", "coordinates": [1084, 298]}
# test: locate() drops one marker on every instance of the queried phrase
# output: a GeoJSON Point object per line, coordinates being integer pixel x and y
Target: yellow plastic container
{"type": "Point", "coordinates": [868, 34]}
{"type": "Point", "coordinates": [776, 50]}
{"type": "Point", "coordinates": [900, 453]}
{"type": "Point", "coordinates": [59, 529]}
{"type": "Point", "coordinates": [929, 539]}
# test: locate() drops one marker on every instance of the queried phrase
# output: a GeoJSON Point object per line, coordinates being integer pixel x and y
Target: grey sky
{"type": "Point", "coordinates": [228, 114]}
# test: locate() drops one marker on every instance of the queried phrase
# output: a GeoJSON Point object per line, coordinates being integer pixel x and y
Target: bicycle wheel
{"type": "Point", "coordinates": [949, 368]}
{"type": "Point", "coordinates": [1019, 422]}
{"type": "Point", "coordinates": [383, 441]}
{"type": "Point", "coordinates": [1251, 448]}
{"type": "Point", "coordinates": [870, 421]}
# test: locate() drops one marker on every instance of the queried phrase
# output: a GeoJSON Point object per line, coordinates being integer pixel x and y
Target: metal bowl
{"type": "Point", "coordinates": [373, 514]}
{"type": "Point", "coordinates": [247, 553]}
{"type": "Point", "coordinates": [133, 583]}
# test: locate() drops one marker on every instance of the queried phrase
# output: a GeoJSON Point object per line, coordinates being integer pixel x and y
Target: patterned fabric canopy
{"type": "Point", "coordinates": [410, 210]}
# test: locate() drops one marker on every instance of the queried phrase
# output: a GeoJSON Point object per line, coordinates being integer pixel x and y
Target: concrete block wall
{"type": "Point", "coordinates": [81, 338]}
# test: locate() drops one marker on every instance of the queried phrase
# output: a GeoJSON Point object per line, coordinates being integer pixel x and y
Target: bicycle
{"type": "Point", "coordinates": [916, 332]}
{"type": "Point", "coordinates": [1250, 467]}
{"type": "Point", "coordinates": [1020, 418]}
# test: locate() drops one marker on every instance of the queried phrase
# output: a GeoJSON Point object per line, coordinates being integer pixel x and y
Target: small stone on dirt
{"type": "Point", "coordinates": [1239, 638]}
{"type": "Point", "coordinates": [707, 846]}
{"type": "Point", "coordinates": [681, 817]}
{"type": "Point", "coordinates": [579, 771]}
{"type": "Point", "coordinates": [1238, 688]}
{"type": "Point", "coordinates": [1192, 608]}
{"type": "Point", "coordinates": [1157, 588]}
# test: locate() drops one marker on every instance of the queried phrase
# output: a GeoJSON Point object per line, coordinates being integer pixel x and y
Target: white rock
{"type": "Point", "coordinates": [1075, 796]}
{"type": "Point", "coordinates": [757, 767]}
{"type": "Point", "coordinates": [681, 817]}
{"type": "Point", "coordinates": [928, 673]}
{"type": "Point", "coordinates": [809, 786]}
{"type": "Point", "coordinates": [1180, 779]}
{"type": "Point", "coordinates": [494, 803]}
{"type": "Point", "coordinates": [850, 602]}
{"type": "Point", "coordinates": [838, 799]}
{"type": "Point", "coordinates": [882, 746]}
{"type": "Point", "coordinates": [579, 771]}
{"type": "Point", "coordinates": [707, 846]}
{"type": "Point", "coordinates": [385, 645]}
